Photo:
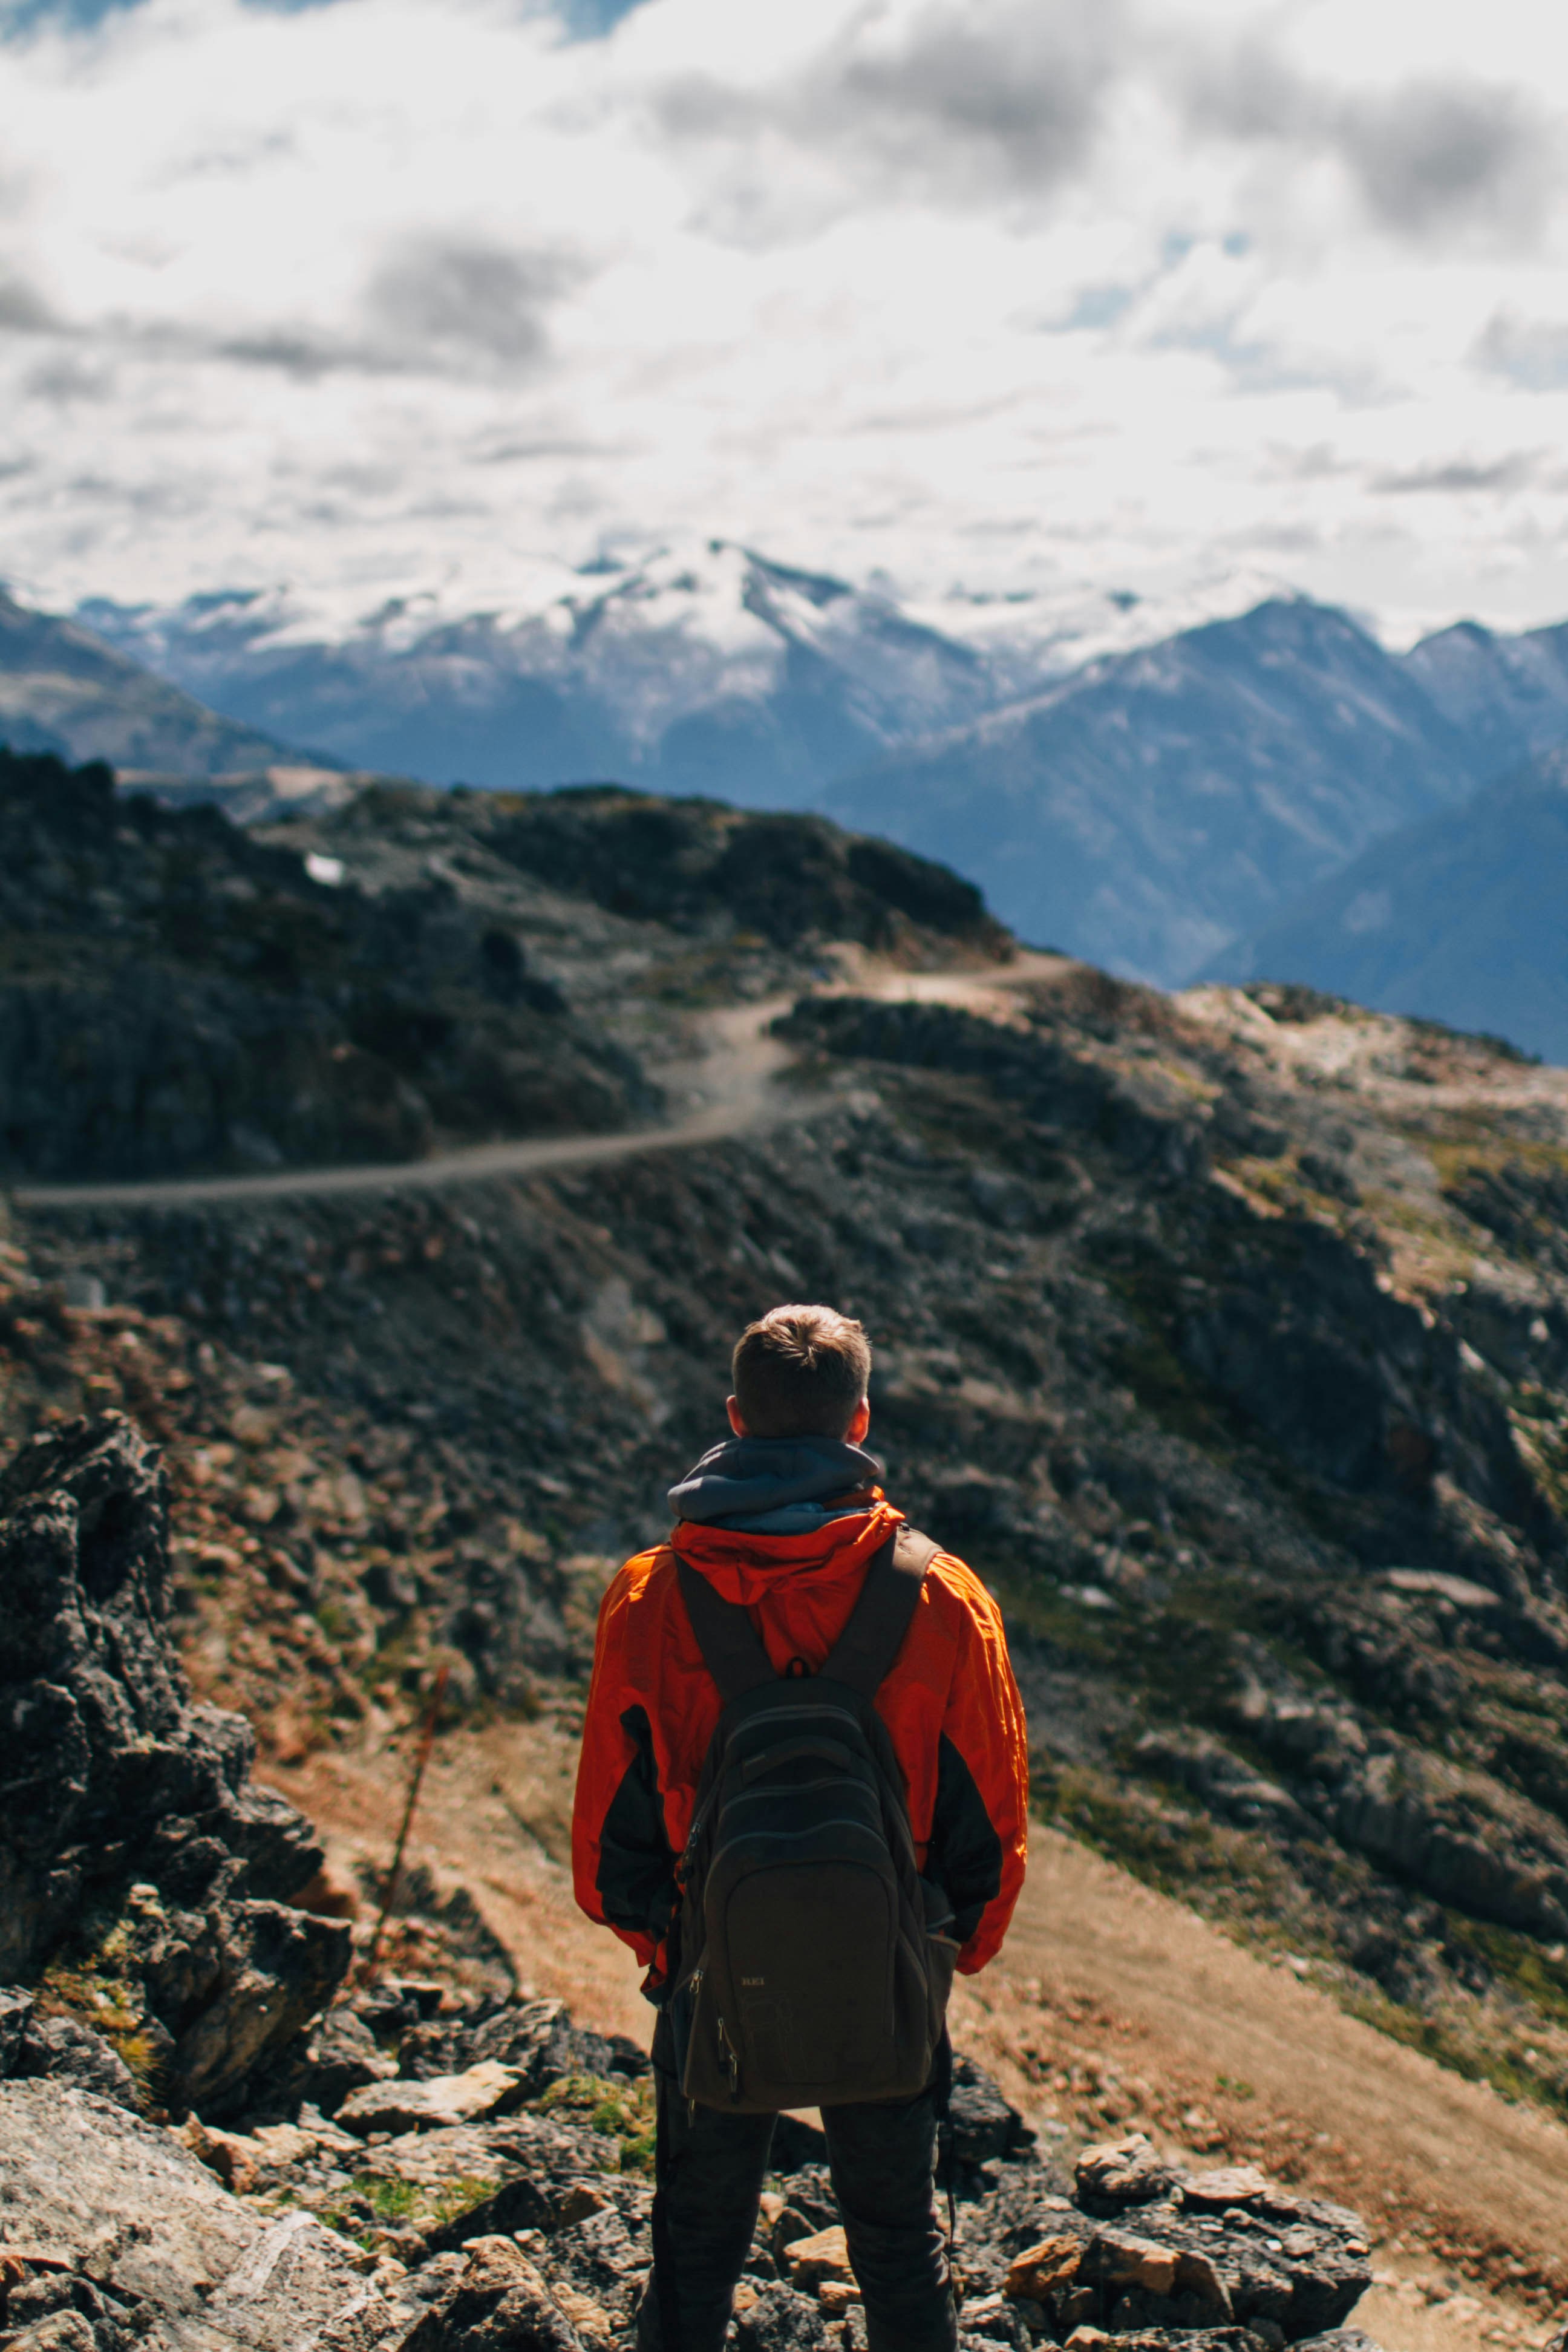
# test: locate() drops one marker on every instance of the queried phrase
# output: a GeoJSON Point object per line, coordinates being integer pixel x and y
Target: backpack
{"type": "Point", "coordinates": [815, 1962]}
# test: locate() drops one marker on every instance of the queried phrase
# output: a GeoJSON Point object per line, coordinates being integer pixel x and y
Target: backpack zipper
{"type": "Point", "coordinates": [731, 2062]}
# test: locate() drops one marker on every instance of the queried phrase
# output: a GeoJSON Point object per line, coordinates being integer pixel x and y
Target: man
{"type": "Point", "coordinates": [786, 1518]}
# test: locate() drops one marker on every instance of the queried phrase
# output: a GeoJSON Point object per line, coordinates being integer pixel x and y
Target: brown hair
{"type": "Point", "coordinates": [800, 1371]}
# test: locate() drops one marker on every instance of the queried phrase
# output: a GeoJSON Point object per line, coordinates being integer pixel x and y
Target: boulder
{"type": "Point", "coordinates": [813, 2261]}
{"type": "Point", "coordinates": [782, 2320]}
{"type": "Point", "coordinates": [1122, 2172]}
{"type": "Point", "coordinates": [320, 2066]}
{"type": "Point", "coordinates": [70, 2053]}
{"type": "Point", "coordinates": [120, 2207]}
{"type": "Point", "coordinates": [983, 2125]}
{"type": "Point", "coordinates": [1210, 2252]}
{"type": "Point", "coordinates": [1053, 2262]}
{"type": "Point", "coordinates": [535, 2038]}
{"type": "Point", "coordinates": [496, 2303]}
{"type": "Point", "coordinates": [487, 2089]}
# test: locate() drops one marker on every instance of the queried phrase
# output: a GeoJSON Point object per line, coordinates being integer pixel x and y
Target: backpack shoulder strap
{"type": "Point", "coordinates": [864, 1653]}
{"type": "Point", "coordinates": [731, 1644]}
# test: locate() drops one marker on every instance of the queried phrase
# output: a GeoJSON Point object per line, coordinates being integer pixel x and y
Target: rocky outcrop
{"type": "Point", "coordinates": [144, 1879]}
{"type": "Point", "coordinates": [694, 863]}
{"type": "Point", "coordinates": [177, 995]}
{"type": "Point", "coordinates": [1142, 2245]}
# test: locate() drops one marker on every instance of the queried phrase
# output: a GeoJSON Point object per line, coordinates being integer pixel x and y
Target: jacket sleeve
{"type": "Point", "coordinates": [622, 1866]}
{"type": "Point", "coordinates": [980, 1827]}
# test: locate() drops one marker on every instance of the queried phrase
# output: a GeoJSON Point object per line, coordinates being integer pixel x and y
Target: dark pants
{"type": "Point", "coordinates": [709, 2172]}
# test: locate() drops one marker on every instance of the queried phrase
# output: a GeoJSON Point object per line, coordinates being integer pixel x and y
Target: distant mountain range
{"type": "Point", "coordinates": [705, 669]}
{"type": "Point", "coordinates": [1145, 785]}
{"type": "Point", "coordinates": [1134, 812]}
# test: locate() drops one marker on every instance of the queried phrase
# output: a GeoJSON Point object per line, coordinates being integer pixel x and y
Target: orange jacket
{"type": "Point", "coordinates": [950, 1703]}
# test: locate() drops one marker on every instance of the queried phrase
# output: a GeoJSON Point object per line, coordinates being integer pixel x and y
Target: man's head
{"type": "Point", "coordinates": [801, 1371]}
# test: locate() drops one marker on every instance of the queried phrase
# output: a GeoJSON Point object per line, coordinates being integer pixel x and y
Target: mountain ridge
{"type": "Point", "coordinates": [1181, 782]}
{"type": "Point", "coordinates": [64, 689]}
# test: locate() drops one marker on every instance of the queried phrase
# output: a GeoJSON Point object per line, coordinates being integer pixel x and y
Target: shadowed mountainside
{"type": "Point", "coordinates": [1459, 919]}
{"type": "Point", "coordinates": [1140, 812]}
{"type": "Point", "coordinates": [64, 689]}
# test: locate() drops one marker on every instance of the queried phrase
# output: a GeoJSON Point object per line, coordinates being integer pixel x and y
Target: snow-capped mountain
{"type": "Point", "coordinates": [702, 668]}
{"type": "Point", "coordinates": [1507, 695]}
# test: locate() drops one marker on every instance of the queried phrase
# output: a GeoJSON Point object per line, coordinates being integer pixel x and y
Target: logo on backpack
{"type": "Point", "coordinates": [816, 1963]}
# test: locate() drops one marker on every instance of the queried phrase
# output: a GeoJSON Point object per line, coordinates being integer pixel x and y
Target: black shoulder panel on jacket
{"type": "Point", "coordinates": [636, 1869]}
{"type": "Point", "coordinates": [965, 1856]}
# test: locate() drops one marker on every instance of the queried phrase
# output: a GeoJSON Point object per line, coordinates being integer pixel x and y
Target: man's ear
{"type": "Point", "coordinates": [860, 1424]}
{"type": "Point", "coordinates": [736, 1424]}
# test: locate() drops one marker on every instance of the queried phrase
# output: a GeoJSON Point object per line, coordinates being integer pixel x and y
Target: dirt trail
{"type": "Point", "coordinates": [1087, 1926]}
{"type": "Point", "coordinates": [1183, 2006]}
{"type": "Point", "coordinates": [733, 1084]}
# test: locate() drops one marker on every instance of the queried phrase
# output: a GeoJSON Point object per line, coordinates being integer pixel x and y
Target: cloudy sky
{"type": "Point", "coordinates": [372, 294]}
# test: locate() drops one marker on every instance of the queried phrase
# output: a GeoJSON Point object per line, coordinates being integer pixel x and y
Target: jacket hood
{"type": "Point", "coordinates": [743, 1566]}
{"type": "Point", "coordinates": [776, 1485]}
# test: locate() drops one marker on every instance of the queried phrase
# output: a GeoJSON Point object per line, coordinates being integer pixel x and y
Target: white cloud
{"type": "Point", "coordinates": [384, 295]}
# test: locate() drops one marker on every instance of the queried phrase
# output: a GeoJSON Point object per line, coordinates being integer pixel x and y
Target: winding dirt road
{"type": "Point", "coordinates": [734, 1084]}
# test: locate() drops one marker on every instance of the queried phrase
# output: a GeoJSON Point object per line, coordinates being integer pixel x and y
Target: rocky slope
{"type": "Point", "coordinates": [64, 689]}
{"type": "Point", "coordinates": [1457, 919]}
{"type": "Point", "coordinates": [176, 995]}
{"type": "Point", "coordinates": [1228, 1334]}
{"type": "Point", "coordinates": [205, 2141]}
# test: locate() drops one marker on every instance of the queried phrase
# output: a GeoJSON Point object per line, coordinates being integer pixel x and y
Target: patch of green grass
{"type": "Point", "coordinates": [1163, 1385]}
{"type": "Point", "coordinates": [1536, 1975]}
{"type": "Point", "coordinates": [460, 2197]}
{"type": "Point", "coordinates": [613, 2107]}
{"type": "Point", "coordinates": [1160, 1835]}
{"type": "Point", "coordinates": [1047, 1612]}
{"type": "Point", "coordinates": [1166, 1845]}
{"type": "Point", "coordinates": [389, 2200]}
{"type": "Point", "coordinates": [96, 1993]}
{"type": "Point", "coordinates": [1436, 2039]}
